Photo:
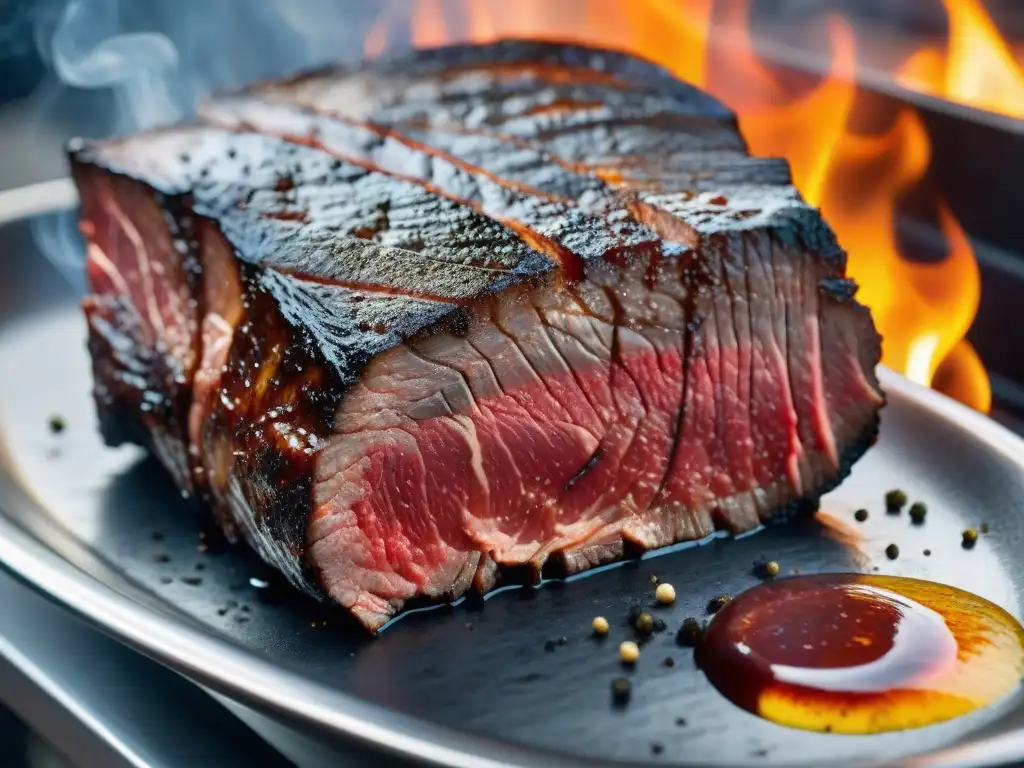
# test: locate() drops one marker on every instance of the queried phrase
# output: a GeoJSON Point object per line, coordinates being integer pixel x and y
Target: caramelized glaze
{"type": "Point", "coordinates": [861, 654]}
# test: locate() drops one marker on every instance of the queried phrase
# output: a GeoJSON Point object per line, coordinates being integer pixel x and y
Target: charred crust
{"type": "Point", "coordinates": [839, 288]}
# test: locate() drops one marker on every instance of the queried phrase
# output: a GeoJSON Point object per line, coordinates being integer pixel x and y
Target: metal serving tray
{"type": "Point", "coordinates": [105, 533]}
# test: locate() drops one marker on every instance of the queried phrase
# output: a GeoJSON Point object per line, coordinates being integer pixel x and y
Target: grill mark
{"type": "Point", "coordinates": [664, 223]}
{"type": "Point", "coordinates": [362, 287]}
{"type": "Point", "coordinates": [570, 262]}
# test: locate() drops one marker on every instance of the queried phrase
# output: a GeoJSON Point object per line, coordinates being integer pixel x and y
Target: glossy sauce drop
{"type": "Point", "coordinates": [861, 654]}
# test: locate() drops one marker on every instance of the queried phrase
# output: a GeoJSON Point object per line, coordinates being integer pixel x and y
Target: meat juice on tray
{"type": "Point", "coordinates": [413, 325]}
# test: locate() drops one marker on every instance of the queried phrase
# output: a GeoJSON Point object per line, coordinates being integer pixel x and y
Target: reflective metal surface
{"type": "Point", "coordinates": [104, 532]}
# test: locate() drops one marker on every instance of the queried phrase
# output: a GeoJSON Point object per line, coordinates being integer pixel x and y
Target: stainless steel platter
{"type": "Point", "coordinates": [104, 532]}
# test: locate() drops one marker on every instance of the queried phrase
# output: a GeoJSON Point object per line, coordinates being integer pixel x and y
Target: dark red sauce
{"type": "Point", "coordinates": [856, 653]}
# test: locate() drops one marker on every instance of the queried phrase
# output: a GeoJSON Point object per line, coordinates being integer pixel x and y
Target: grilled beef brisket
{"type": "Point", "coordinates": [407, 324]}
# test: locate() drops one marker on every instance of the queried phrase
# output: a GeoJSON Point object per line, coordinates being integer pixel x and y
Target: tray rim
{"type": "Point", "coordinates": [242, 675]}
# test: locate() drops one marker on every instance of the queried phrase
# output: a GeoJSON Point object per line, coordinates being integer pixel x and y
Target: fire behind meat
{"type": "Point", "coordinates": [412, 324]}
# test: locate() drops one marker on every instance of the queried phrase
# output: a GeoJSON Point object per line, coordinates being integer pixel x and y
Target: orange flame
{"type": "Point", "coordinates": [922, 310]}
{"type": "Point", "coordinates": [977, 68]}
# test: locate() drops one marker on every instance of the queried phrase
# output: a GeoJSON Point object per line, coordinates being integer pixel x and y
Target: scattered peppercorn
{"type": "Point", "coordinates": [690, 633]}
{"type": "Point", "coordinates": [600, 626]}
{"type": "Point", "coordinates": [970, 537]}
{"type": "Point", "coordinates": [57, 424]}
{"type": "Point", "coordinates": [895, 501]}
{"type": "Point", "coordinates": [927, 553]}
{"type": "Point", "coordinates": [629, 652]}
{"type": "Point", "coordinates": [717, 603]}
{"type": "Point", "coordinates": [657, 749]}
{"type": "Point", "coordinates": [192, 581]}
{"type": "Point", "coordinates": [621, 690]}
{"type": "Point", "coordinates": [644, 624]}
{"type": "Point", "coordinates": [669, 661]}
{"type": "Point", "coordinates": [681, 722]}
{"type": "Point", "coordinates": [549, 646]}
{"type": "Point", "coordinates": [918, 511]}
{"type": "Point", "coordinates": [634, 614]}
{"type": "Point", "coordinates": [665, 594]}
{"type": "Point", "coordinates": [984, 527]}
{"type": "Point", "coordinates": [654, 578]}
{"type": "Point", "coordinates": [660, 625]}
{"type": "Point", "coordinates": [766, 569]}
{"type": "Point", "coordinates": [860, 515]}
{"type": "Point", "coordinates": [562, 640]}
{"type": "Point", "coordinates": [161, 557]}
{"type": "Point", "coordinates": [157, 536]}
{"type": "Point", "coordinates": [892, 551]}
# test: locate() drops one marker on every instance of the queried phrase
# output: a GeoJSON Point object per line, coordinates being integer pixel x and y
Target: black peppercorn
{"type": "Point", "coordinates": [717, 603]}
{"type": "Point", "coordinates": [621, 690]}
{"type": "Point", "coordinates": [895, 501]}
{"type": "Point", "coordinates": [690, 633]}
{"type": "Point", "coordinates": [918, 511]}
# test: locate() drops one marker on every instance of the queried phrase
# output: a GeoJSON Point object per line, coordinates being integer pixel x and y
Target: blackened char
{"type": "Point", "coordinates": [408, 324]}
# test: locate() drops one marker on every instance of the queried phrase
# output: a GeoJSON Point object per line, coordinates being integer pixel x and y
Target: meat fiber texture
{"type": "Point", "coordinates": [416, 326]}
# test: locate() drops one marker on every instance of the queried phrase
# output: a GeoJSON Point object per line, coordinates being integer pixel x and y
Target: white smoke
{"type": "Point", "coordinates": [118, 66]}
{"type": "Point", "coordinates": [89, 51]}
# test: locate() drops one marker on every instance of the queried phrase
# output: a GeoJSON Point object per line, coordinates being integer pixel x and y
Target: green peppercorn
{"type": "Point", "coordinates": [644, 624]}
{"type": "Point", "coordinates": [860, 515]}
{"type": "Point", "coordinates": [970, 537]}
{"type": "Point", "coordinates": [767, 569]}
{"type": "Point", "coordinates": [895, 501]}
{"type": "Point", "coordinates": [918, 511]}
{"type": "Point", "coordinates": [984, 527]}
{"type": "Point", "coordinates": [892, 551]}
{"type": "Point", "coordinates": [57, 424]}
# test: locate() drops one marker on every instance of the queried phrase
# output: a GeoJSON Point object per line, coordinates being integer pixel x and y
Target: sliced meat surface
{"type": "Point", "coordinates": [427, 321]}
